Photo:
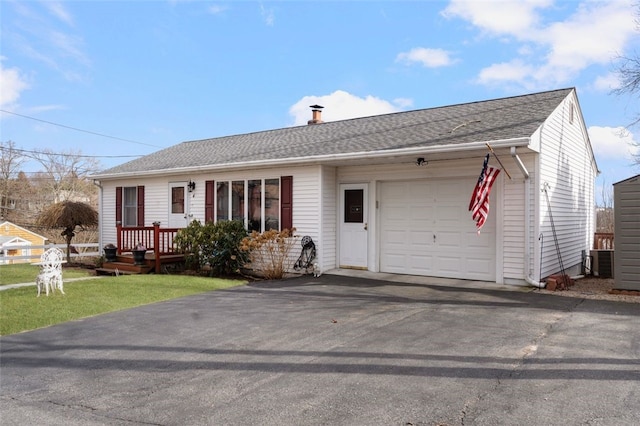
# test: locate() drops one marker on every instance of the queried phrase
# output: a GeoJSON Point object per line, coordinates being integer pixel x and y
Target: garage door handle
{"type": "Point", "coordinates": [434, 238]}
{"type": "Point", "coordinates": [365, 226]}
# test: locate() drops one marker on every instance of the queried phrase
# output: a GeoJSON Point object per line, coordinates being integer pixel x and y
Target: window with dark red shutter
{"type": "Point", "coordinates": [209, 199]}
{"type": "Point", "coordinates": [286, 202]}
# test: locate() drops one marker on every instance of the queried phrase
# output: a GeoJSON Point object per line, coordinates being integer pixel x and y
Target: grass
{"type": "Point", "coordinates": [27, 273]}
{"type": "Point", "coordinates": [21, 310]}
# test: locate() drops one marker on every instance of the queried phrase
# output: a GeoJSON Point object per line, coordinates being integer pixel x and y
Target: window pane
{"type": "Point", "coordinates": [222, 201]}
{"type": "Point", "coordinates": [130, 206]}
{"type": "Point", "coordinates": [177, 199]}
{"type": "Point", "coordinates": [254, 189]}
{"type": "Point", "coordinates": [237, 200]}
{"type": "Point", "coordinates": [272, 204]}
{"type": "Point", "coordinates": [353, 208]}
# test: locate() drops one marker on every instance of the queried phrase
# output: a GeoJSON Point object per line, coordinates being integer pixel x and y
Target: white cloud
{"type": "Point", "coordinates": [59, 11]}
{"type": "Point", "coordinates": [268, 15]}
{"type": "Point", "coordinates": [44, 108]}
{"type": "Point", "coordinates": [429, 58]}
{"type": "Point", "coordinates": [498, 17]}
{"type": "Point", "coordinates": [13, 83]}
{"type": "Point", "coordinates": [552, 53]}
{"type": "Point", "coordinates": [607, 83]}
{"type": "Point", "coordinates": [341, 105]}
{"type": "Point", "coordinates": [515, 71]}
{"type": "Point", "coordinates": [593, 35]}
{"type": "Point", "coordinates": [615, 143]}
{"type": "Point", "coordinates": [403, 102]}
{"type": "Point", "coordinates": [37, 35]}
{"type": "Point", "coordinates": [69, 46]}
{"type": "Point", "coordinates": [217, 9]}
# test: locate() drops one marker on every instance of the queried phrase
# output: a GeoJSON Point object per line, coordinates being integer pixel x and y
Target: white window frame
{"type": "Point", "coordinates": [126, 206]}
{"type": "Point", "coordinates": [246, 200]}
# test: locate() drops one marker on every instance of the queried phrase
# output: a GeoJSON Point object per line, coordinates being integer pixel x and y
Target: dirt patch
{"type": "Point", "coordinates": [595, 288]}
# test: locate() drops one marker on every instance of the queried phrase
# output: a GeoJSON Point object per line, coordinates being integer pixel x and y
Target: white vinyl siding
{"type": "Point", "coordinates": [329, 221]}
{"type": "Point", "coordinates": [306, 199]}
{"type": "Point", "coordinates": [514, 228]}
{"type": "Point", "coordinates": [568, 174]}
{"type": "Point", "coordinates": [513, 224]}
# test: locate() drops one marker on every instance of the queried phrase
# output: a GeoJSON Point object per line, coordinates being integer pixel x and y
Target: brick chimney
{"type": "Point", "coordinates": [317, 115]}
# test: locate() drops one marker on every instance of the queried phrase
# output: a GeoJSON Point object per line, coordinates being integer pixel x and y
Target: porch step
{"type": "Point", "coordinates": [112, 272]}
{"type": "Point", "coordinates": [123, 268]}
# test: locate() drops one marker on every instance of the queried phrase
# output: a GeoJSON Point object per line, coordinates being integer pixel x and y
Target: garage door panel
{"type": "Point", "coordinates": [476, 266]}
{"type": "Point", "coordinates": [413, 212]}
{"type": "Point", "coordinates": [473, 240]}
{"type": "Point", "coordinates": [449, 266]}
{"type": "Point", "coordinates": [449, 239]}
{"type": "Point", "coordinates": [417, 213]}
{"type": "Point", "coordinates": [395, 237]}
{"type": "Point", "coordinates": [419, 238]}
{"type": "Point", "coordinates": [422, 264]}
{"type": "Point", "coordinates": [447, 214]}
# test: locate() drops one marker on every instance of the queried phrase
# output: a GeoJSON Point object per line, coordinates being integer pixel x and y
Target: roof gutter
{"type": "Point", "coordinates": [472, 146]}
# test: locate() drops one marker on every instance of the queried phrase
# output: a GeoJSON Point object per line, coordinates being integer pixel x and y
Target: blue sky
{"type": "Point", "coordinates": [150, 74]}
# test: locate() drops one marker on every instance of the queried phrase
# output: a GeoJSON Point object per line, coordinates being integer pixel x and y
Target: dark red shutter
{"type": "Point", "coordinates": [119, 205]}
{"type": "Point", "coordinates": [286, 202]}
{"type": "Point", "coordinates": [209, 193]}
{"type": "Point", "coordinates": [141, 206]}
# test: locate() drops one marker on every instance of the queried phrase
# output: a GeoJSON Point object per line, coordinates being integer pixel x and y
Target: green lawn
{"type": "Point", "coordinates": [27, 273]}
{"type": "Point", "coordinates": [21, 310]}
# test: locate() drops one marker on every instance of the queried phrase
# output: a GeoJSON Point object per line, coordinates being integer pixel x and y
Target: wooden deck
{"type": "Point", "coordinates": [124, 264]}
{"type": "Point", "coordinates": [161, 250]}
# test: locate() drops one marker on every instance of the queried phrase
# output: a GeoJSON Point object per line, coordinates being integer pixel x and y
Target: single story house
{"type": "Point", "coordinates": [388, 193]}
{"type": "Point", "coordinates": [626, 264]}
{"type": "Point", "coordinates": [16, 244]}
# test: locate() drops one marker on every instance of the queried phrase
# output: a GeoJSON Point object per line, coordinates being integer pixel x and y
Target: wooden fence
{"type": "Point", "coordinates": [603, 241]}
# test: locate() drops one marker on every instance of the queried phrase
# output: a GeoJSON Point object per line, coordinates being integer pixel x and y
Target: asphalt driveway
{"type": "Point", "coordinates": [333, 350]}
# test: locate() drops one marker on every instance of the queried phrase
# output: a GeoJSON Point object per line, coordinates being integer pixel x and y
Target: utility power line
{"type": "Point", "coordinates": [66, 154]}
{"type": "Point", "coordinates": [79, 130]}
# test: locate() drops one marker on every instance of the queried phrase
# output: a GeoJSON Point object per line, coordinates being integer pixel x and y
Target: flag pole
{"type": "Point", "coordinates": [500, 162]}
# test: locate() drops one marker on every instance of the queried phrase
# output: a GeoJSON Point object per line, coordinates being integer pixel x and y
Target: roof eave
{"type": "Point", "coordinates": [328, 158]}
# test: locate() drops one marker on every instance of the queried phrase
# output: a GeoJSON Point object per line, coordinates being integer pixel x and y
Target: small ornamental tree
{"type": "Point", "coordinates": [269, 252]}
{"type": "Point", "coordinates": [216, 245]}
{"type": "Point", "coordinates": [68, 215]}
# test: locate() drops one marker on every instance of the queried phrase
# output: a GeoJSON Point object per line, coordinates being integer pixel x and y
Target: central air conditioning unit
{"type": "Point", "coordinates": [602, 263]}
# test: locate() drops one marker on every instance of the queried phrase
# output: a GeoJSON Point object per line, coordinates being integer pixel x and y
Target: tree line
{"type": "Point", "coordinates": [62, 176]}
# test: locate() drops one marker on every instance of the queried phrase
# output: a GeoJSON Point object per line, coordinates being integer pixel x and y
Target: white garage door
{"type": "Point", "coordinates": [426, 229]}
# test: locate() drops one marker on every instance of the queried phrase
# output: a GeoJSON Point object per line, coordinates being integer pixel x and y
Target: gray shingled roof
{"type": "Point", "coordinates": [491, 120]}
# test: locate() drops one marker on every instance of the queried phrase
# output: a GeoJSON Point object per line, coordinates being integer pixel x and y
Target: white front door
{"type": "Point", "coordinates": [178, 205]}
{"type": "Point", "coordinates": [353, 226]}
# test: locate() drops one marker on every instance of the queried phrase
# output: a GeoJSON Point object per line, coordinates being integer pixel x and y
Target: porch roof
{"type": "Point", "coordinates": [443, 128]}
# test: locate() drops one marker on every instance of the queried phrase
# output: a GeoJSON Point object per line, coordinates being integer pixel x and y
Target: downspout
{"type": "Point", "coordinates": [527, 220]}
{"type": "Point", "coordinates": [100, 215]}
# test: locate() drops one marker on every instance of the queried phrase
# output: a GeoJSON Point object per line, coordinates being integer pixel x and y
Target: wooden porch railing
{"type": "Point", "coordinates": [603, 241]}
{"type": "Point", "coordinates": [156, 239]}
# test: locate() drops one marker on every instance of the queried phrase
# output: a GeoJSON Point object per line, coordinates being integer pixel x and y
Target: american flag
{"type": "Point", "coordinates": [479, 205]}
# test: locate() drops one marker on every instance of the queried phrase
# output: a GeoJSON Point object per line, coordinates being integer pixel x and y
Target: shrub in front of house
{"type": "Point", "coordinates": [269, 252]}
{"type": "Point", "coordinates": [213, 246]}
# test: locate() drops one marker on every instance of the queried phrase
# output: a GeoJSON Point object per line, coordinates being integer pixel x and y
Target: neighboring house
{"type": "Point", "coordinates": [16, 242]}
{"type": "Point", "coordinates": [626, 264]}
{"type": "Point", "coordinates": [356, 188]}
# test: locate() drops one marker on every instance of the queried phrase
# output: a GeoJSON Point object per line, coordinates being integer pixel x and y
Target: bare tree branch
{"type": "Point", "coordinates": [10, 161]}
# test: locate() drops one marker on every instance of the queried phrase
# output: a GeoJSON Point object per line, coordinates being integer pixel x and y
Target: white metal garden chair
{"type": "Point", "coordinates": [50, 276]}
